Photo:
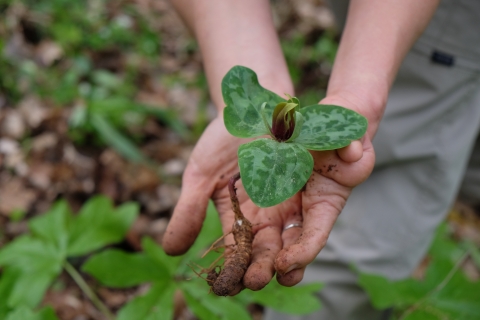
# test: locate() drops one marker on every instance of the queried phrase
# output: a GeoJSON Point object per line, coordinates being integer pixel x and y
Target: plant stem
{"type": "Point", "coordinates": [439, 287]}
{"type": "Point", "coordinates": [233, 197]}
{"type": "Point", "coordinates": [88, 291]}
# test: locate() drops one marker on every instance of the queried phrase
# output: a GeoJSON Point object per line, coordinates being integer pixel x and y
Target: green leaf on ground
{"type": "Point", "coordinates": [328, 127]}
{"type": "Point", "coordinates": [225, 308]}
{"type": "Point", "coordinates": [157, 304]}
{"type": "Point", "coordinates": [7, 282]}
{"type": "Point", "coordinates": [118, 269]}
{"type": "Point", "coordinates": [445, 292]}
{"type": "Point", "coordinates": [99, 224]}
{"type": "Point", "coordinates": [298, 300]}
{"type": "Point", "coordinates": [31, 266]}
{"type": "Point", "coordinates": [53, 225]}
{"type": "Point", "coordinates": [117, 140]}
{"type": "Point", "coordinates": [272, 171]}
{"type": "Point", "coordinates": [211, 231]}
{"type": "Point", "coordinates": [198, 309]}
{"type": "Point", "coordinates": [25, 313]}
{"type": "Point", "coordinates": [165, 263]}
{"type": "Point", "coordinates": [31, 255]}
{"type": "Point", "coordinates": [244, 96]}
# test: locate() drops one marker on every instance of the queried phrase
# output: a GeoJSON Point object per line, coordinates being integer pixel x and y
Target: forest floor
{"type": "Point", "coordinates": [58, 67]}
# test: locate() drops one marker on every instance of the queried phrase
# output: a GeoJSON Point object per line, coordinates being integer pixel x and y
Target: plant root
{"type": "Point", "coordinates": [236, 263]}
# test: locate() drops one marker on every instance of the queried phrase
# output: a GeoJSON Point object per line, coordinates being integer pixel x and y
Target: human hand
{"type": "Point", "coordinates": [287, 252]}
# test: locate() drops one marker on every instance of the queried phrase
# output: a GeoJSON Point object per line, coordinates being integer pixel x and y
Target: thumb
{"type": "Point", "coordinates": [188, 215]}
{"type": "Point", "coordinates": [351, 153]}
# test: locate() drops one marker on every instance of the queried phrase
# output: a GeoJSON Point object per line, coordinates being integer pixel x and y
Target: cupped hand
{"type": "Point", "coordinates": [286, 252]}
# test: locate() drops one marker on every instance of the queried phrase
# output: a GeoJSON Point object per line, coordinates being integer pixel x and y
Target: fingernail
{"type": "Point", "coordinates": [292, 267]}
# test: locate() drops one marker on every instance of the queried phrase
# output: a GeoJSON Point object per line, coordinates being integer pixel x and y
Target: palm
{"type": "Point", "coordinates": [214, 161]}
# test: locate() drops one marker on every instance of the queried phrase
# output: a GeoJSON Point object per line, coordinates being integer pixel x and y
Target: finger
{"type": "Point", "coordinates": [266, 244]}
{"type": "Point", "coordinates": [329, 164]}
{"type": "Point", "coordinates": [188, 216]}
{"type": "Point", "coordinates": [351, 153]}
{"type": "Point", "coordinates": [291, 278]}
{"type": "Point", "coordinates": [322, 202]}
{"type": "Point", "coordinates": [289, 237]}
{"type": "Point", "coordinates": [238, 288]}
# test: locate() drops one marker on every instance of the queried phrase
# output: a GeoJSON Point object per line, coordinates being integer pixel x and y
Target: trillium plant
{"type": "Point", "coordinates": [274, 168]}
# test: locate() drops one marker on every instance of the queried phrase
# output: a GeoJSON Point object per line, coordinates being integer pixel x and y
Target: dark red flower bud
{"type": "Point", "coordinates": [283, 120]}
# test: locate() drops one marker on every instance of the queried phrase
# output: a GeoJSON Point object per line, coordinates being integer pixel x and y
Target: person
{"type": "Point", "coordinates": [412, 69]}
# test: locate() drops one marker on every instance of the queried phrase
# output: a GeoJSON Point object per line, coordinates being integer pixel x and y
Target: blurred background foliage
{"type": "Point", "coordinates": [108, 98]}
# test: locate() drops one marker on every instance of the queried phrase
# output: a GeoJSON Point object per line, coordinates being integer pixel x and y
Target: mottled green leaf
{"type": "Point", "coordinates": [263, 113]}
{"type": "Point", "coordinates": [272, 171]}
{"type": "Point", "coordinates": [244, 96]}
{"type": "Point", "coordinates": [328, 127]}
{"type": "Point", "coordinates": [118, 269]}
{"type": "Point", "coordinates": [299, 300]}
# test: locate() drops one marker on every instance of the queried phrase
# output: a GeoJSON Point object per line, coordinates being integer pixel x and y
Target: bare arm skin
{"type": "Point", "coordinates": [377, 36]}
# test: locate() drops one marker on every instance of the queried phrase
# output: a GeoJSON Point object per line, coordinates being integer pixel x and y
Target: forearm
{"type": "Point", "coordinates": [236, 33]}
{"type": "Point", "coordinates": [377, 36]}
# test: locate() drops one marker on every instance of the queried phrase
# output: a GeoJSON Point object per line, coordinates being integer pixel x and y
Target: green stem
{"type": "Point", "coordinates": [88, 291]}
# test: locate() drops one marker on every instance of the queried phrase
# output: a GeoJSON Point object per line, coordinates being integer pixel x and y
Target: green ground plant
{"type": "Point", "coordinates": [100, 94]}
{"type": "Point", "coordinates": [58, 241]}
{"type": "Point", "coordinates": [444, 291]}
{"type": "Point", "coordinates": [31, 262]}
